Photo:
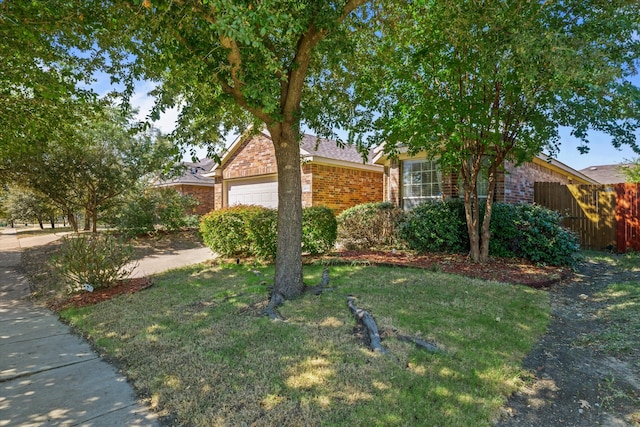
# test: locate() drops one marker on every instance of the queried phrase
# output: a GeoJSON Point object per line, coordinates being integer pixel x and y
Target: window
{"type": "Point", "coordinates": [421, 181]}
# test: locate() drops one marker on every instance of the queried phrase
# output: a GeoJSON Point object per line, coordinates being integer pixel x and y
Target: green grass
{"type": "Point", "coordinates": [44, 231]}
{"type": "Point", "coordinates": [195, 344]}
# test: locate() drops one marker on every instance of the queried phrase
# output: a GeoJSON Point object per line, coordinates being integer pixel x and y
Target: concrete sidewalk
{"type": "Point", "coordinates": [49, 376]}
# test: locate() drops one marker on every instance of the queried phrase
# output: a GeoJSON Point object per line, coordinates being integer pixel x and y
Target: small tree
{"type": "Point", "coordinates": [474, 85]}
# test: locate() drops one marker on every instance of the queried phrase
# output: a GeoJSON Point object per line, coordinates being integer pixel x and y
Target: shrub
{"type": "Point", "coordinates": [319, 229]}
{"type": "Point", "coordinates": [252, 231]}
{"type": "Point", "coordinates": [263, 233]}
{"type": "Point", "coordinates": [163, 207]}
{"type": "Point", "coordinates": [369, 225]}
{"type": "Point", "coordinates": [438, 226]}
{"type": "Point", "coordinates": [97, 260]}
{"type": "Point", "coordinates": [227, 231]}
{"type": "Point", "coordinates": [171, 208]}
{"type": "Point", "coordinates": [532, 232]}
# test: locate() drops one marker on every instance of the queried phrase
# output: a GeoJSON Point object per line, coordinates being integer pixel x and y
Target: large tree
{"type": "Point", "coordinates": [477, 83]}
{"type": "Point", "coordinates": [231, 63]}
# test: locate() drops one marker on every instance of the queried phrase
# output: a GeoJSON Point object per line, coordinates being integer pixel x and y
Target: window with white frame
{"type": "Point", "coordinates": [421, 181]}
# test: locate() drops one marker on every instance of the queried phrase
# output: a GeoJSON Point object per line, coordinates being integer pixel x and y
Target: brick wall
{"type": "Point", "coordinates": [204, 194]}
{"type": "Point", "coordinates": [392, 182]}
{"type": "Point", "coordinates": [340, 188]}
{"type": "Point", "coordinates": [307, 185]}
{"type": "Point", "coordinates": [217, 193]}
{"type": "Point", "coordinates": [518, 182]}
{"type": "Point", "coordinates": [255, 156]}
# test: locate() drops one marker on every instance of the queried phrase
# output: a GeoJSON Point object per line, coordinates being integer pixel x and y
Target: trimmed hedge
{"type": "Point", "coordinates": [319, 229]}
{"type": "Point", "coordinates": [252, 231]}
{"type": "Point", "coordinates": [369, 225]}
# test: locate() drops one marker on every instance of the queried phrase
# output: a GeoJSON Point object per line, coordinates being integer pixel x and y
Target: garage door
{"type": "Point", "coordinates": [254, 193]}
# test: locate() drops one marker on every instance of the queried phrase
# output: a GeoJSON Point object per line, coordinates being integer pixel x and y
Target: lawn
{"type": "Point", "coordinates": [196, 345]}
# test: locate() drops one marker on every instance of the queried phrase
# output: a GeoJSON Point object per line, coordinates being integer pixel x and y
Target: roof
{"type": "Point", "coordinates": [606, 174]}
{"type": "Point", "coordinates": [312, 149]}
{"type": "Point", "coordinates": [315, 146]}
{"type": "Point", "coordinates": [193, 174]}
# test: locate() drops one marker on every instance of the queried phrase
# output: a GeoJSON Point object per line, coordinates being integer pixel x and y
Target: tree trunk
{"type": "Point", "coordinates": [87, 220]}
{"type": "Point", "coordinates": [40, 224]}
{"type": "Point", "coordinates": [94, 220]}
{"type": "Point", "coordinates": [288, 276]}
{"type": "Point", "coordinates": [72, 221]}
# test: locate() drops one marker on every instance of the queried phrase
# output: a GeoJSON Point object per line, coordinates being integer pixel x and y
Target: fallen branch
{"type": "Point", "coordinates": [419, 342]}
{"type": "Point", "coordinates": [366, 320]}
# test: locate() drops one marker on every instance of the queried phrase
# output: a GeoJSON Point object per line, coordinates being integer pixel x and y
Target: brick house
{"type": "Point", "coordinates": [409, 180]}
{"type": "Point", "coordinates": [193, 182]}
{"type": "Point", "coordinates": [334, 177]}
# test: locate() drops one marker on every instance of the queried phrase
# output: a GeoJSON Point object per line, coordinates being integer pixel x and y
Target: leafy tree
{"type": "Point", "coordinates": [475, 85]}
{"type": "Point", "coordinates": [104, 159]}
{"type": "Point", "coordinates": [631, 170]}
{"type": "Point", "coordinates": [23, 204]}
{"type": "Point", "coordinates": [231, 63]}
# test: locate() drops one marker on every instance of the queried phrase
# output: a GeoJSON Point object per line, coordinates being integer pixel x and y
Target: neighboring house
{"type": "Point", "coordinates": [331, 176]}
{"type": "Point", "coordinates": [606, 174]}
{"type": "Point", "coordinates": [409, 180]}
{"type": "Point", "coordinates": [193, 182]}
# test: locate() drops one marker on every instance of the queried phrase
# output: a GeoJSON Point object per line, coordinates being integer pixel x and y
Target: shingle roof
{"type": "Point", "coordinates": [605, 174]}
{"type": "Point", "coordinates": [312, 145]}
{"type": "Point", "coordinates": [192, 174]}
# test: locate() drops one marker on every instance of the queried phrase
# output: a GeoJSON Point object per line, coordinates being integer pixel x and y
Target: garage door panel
{"type": "Point", "coordinates": [254, 193]}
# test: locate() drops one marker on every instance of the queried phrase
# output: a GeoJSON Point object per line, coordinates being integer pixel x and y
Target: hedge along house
{"type": "Point", "coordinates": [332, 176]}
{"type": "Point", "coordinates": [193, 182]}
{"type": "Point", "coordinates": [409, 180]}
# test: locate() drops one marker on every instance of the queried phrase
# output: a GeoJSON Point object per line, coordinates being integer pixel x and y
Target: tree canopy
{"type": "Point", "coordinates": [475, 85]}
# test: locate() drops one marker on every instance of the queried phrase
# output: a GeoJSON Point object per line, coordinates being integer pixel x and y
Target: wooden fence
{"type": "Point", "coordinates": [605, 217]}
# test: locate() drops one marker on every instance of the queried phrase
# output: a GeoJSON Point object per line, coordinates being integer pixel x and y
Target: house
{"type": "Point", "coordinates": [193, 182]}
{"type": "Point", "coordinates": [332, 176]}
{"type": "Point", "coordinates": [606, 174]}
{"type": "Point", "coordinates": [409, 180]}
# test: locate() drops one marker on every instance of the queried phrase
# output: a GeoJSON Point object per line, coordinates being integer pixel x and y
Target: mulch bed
{"type": "Point", "coordinates": [128, 286]}
{"type": "Point", "coordinates": [508, 270]}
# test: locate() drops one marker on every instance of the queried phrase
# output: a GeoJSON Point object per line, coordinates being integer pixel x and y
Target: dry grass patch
{"type": "Point", "coordinates": [195, 345]}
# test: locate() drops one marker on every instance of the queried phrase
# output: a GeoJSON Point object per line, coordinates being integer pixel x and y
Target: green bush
{"type": "Point", "coordinates": [437, 226]}
{"type": "Point", "coordinates": [263, 233]}
{"type": "Point", "coordinates": [164, 207]}
{"type": "Point", "coordinates": [369, 225]}
{"type": "Point", "coordinates": [171, 208]}
{"type": "Point", "coordinates": [319, 229]}
{"type": "Point", "coordinates": [94, 259]}
{"type": "Point", "coordinates": [532, 232]}
{"type": "Point", "coordinates": [252, 231]}
{"type": "Point", "coordinates": [227, 231]}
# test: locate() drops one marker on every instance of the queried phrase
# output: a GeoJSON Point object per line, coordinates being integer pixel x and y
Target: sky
{"type": "Point", "coordinates": [601, 152]}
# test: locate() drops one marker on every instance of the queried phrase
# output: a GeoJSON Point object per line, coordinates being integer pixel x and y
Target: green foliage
{"type": "Point", "coordinates": [94, 259]}
{"type": "Point", "coordinates": [164, 207]}
{"type": "Point", "coordinates": [369, 225]}
{"type": "Point", "coordinates": [532, 232]}
{"type": "Point", "coordinates": [227, 231]}
{"type": "Point", "coordinates": [252, 231]}
{"type": "Point", "coordinates": [263, 232]}
{"type": "Point", "coordinates": [631, 170]}
{"type": "Point", "coordinates": [319, 229]}
{"type": "Point", "coordinates": [436, 227]}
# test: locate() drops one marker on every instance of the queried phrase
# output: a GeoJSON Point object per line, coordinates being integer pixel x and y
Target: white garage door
{"type": "Point", "coordinates": [254, 193]}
